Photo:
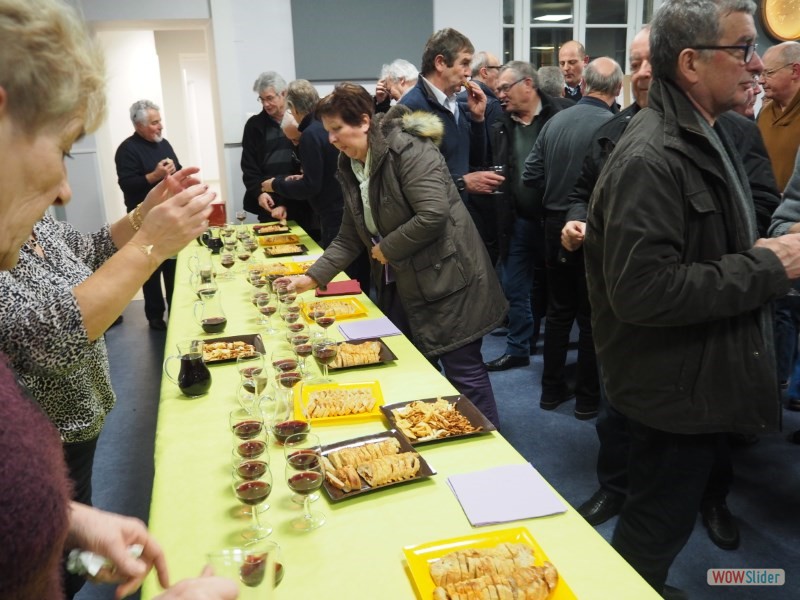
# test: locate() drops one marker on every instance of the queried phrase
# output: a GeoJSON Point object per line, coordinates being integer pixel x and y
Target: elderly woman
{"type": "Point", "coordinates": [58, 301]}
{"type": "Point", "coordinates": [434, 278]}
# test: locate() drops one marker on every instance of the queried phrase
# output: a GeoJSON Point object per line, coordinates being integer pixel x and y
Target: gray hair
{"type": "Point", "coordinates": [301, 97]}
{"type": "Point", "coordinates": [789, 52]}
{"type": "Point", "coordinates": [269, 79]}
{"type": "Point", "coordinates": [401, 69]}
{"type": "Point", "coordinates": [551, 81]}
{"type": "Point", "coordinates": [603, 83]}
{"type": "Point", "coordinates": [139, 110]}
{"type": "Point", "coordinates": [681, 24]}
{"type": "Point", "coordinates": [479, 60]}
{"type": "Point", "coordinates": [522, 69]}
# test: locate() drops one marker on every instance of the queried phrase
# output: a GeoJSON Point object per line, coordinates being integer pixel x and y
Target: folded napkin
{"type": "Point", "coordinates": [503, 494]}
{"type": "Point", "coordinates": [340, 288]}
{"type": "Point", "coordinates": [371, 328]}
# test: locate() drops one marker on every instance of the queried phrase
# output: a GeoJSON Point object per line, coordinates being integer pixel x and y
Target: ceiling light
{"type": "Point", "coordinates": [553, 18]}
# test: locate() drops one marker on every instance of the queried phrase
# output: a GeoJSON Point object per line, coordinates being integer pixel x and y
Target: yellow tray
{"type": "Point", "coordinates": [353, 304]}
{"type": "Point", "coordinates": [301, 398]}
{"type": "Point", "coordinates": [420, 556]}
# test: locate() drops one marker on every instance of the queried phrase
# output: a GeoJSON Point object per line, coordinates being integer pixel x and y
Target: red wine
{"type": "Point", "coordinates": [300, 338]}
{"type": "Point", "coordinates": [282, 431]}
{"type": "Point", "coordinates": [214, 324]}
{"type": "Point", "coordinates": [267, 310]}
{"type": "Point", "coordinates": [251, 449]}
{"type": "Point", "coordinates": [287, 298]}
{"type": "Point", "coordinates": [295, 327]}
{"type": "Point", "coordinates": [303, 350]}
{"type": "Point", "coordinates": [255, 297]}
{"type": "Point", "coordinates": [325, 322]}
{"type": "Point", "coordinates": [325, 354]}
{"type": "Point", "coordinates": [253, 492]}
{"type": "Point", "coordinates": [285, 364]}
{"type": "Point", "coordinates": [252, 570]}
{"type": "Point", "coordinates": [293, 308]}
{"type": "Point", "coordinates": [302, 460]}
{"type": "Point", "coordinates": [251, 371]}
{"type": "Point", "coordinates": [289, 379]}
{"type": "Point", "coordinates": [290, 317]}
{"type": "Point", "coordinates": [227, 262]}
{"type": "Point", "coordinates": [243, 256]}
{"type": "Point", "coordinates": [194, 378]}
{"type": "Point", "coordinates": [305, 483]}
{"type": "Point", "coordinates": [251, 469]}
{"type": "Point", "coordinates": [315, 314]}
{"type": "Point", "coordinates": [247, 430]}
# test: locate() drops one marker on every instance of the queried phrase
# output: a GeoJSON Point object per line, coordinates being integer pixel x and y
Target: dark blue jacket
{"type": "Point", "coordinates": [135, 158]}
{"type": "Point", "coordinates": [464, 143]}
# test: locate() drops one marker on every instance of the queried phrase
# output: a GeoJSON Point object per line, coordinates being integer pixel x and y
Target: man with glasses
{"type": "Point", "coordinates": [520, 222]}
{"type": "Point", "coordinates": [679, 284]}
{"type": "Point", "coordinates": [779, 120]}
{"type": "Point", "coordinates": [267, 152]}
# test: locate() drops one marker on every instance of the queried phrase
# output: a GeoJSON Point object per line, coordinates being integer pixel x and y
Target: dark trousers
{"type": "Point", "coordinates": [667, 476]}
{"type": "Point", "coordinates": [567, 302]}
{"type": "Point", "coordinates": [80, 459]}
{"type": "Point", "coordinates": [463, 367]}
{"type": "Point", "coordinates": [482, 209]}
{"type": "Point", "coordinates": [153, 295]}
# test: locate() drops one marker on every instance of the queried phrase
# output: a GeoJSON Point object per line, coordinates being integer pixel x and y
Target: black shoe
{"type": "Point", "coordinates": [116, 322]}
{"type": "Point", "coordinates": [586, 410]}
{"type": "Point", "coordinates": [158, 324]}
{"type": "Point", "coordinates": [793, 404]}
{"type": "Point", "coordinates": [603, 505]}
{"type": "Point", "coordinates": [672, 593]}
{"type": "Point", "coordinates": [795, 437]}
{"type": "Point", "coordinates": [722, 528]}
{"type": "Point", "coordinates": [507, 362]}
{"type": "Point", "coordinates": [548, 402]}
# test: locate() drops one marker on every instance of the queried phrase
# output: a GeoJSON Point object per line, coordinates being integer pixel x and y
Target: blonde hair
{"type": "Point", "coordinates": [50, 67]}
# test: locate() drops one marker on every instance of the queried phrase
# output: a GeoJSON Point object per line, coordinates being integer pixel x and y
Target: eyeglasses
{"type": "Point", "coordinates": [492, 66]}
{"type": "Point", "coordinates": [768, 73]}
{"type": "Point", "coordinates": [261, 100]}
{"type": "Point", "coordinates": [503, 89]}
{"type": "Point", "coordinates": [748, 49]}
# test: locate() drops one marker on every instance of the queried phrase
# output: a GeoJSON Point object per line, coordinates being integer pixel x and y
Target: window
{"type": "Point", "coordinates": [534, 30]}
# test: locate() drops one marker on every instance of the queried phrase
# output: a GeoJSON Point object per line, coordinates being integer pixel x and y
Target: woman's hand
{"type": "Point", "coordinates": [205, 587]}
{"type": "Point", "coordinates": [111, 535]}
{"type": "Point", "coordinates": [176, 221]}
{"type": "Point", "coordinates": [377, 254]}
{"type": "Point", "coordinates": [298, 283]}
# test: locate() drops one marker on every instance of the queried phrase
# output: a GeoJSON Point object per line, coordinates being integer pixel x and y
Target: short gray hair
{"type": "Point", "coordinates": [401, 69]}
{"type": "Point", "coordinates": [301, 97]}
{"type": "Point", "coordinates": [479, 60]}
{"type": "Point", "coordinates": [269, 79]}
{"type": "Point", "coordinates": [681, 24]}
{"type": "Point", "coordinates": [139, 110]}
{"type": "Point", "coordinates": [551, 81]}
{"type": "Point", "coordinates": [522, 69]}
{"type": "Point", "coordinates": [789, 52]}
{"type": "Point", "coordinates": [600, 82]}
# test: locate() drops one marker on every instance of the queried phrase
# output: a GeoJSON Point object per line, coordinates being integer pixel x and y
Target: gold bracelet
{"type": "Point", "coordinates": [135, 217]}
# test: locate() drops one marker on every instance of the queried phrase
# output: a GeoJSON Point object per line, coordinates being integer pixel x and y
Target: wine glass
{"type": "Point", "coordinates": [257, 279]}
{"type": "Point", "coordinates": [241, 216]}
{"type": "Point", "coordinates": [251, 567]}
{"type": "Point", "coordinates": [325, 317]}
{"type": "Point", "coordinates": [246, 424]}
{"type": "Point", "coordinates": [301, 342]}
{"type": "Point", "coordinates": [324, 351]}
{"type": "Point", "coordinates": [253, 492]}
{"type": "Point", "coordinates": [304, 475]}
{"type": "Point", "coordinates": [243, 254]}
{"type": "Point", "coordinates": [500, 170]}
{"type": "Point", "coordinates": [284, 361]}
{"type": "Point", "coordinates": [265, 304]}
{"type": "Point", "coordinates": [315, 310]}
{"type": "Point", "coordinates": [227, 259]}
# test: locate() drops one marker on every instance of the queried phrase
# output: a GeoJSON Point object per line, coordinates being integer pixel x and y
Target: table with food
{"type": "Point", "coordinates": [340, 452]}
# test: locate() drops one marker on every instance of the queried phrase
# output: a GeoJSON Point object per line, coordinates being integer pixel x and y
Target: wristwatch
{"type": "Point", "coordinates": [460, 184]}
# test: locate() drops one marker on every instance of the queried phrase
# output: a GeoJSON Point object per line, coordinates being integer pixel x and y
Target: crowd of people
{"type": "Point", "coordinates": [470, 197]}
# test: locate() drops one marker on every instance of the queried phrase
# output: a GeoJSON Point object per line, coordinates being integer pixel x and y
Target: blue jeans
{"type": "Point", "coordinates": [525, 250]}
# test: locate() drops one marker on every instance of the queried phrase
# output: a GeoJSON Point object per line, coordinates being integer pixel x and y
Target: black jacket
{"type": "Point", "coordinates": [135, 158]}
{"type": "Point", "coordinates": [680, 297]}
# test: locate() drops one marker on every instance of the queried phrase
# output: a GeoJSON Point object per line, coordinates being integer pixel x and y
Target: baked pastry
{"type": "Point", "coordinates": [353, 355]}
{"type": "Point", "coordinates": [378, 463]}
{"type": "Point", "coordinates": [338, 403]}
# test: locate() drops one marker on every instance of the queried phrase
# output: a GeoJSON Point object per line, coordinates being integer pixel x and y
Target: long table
{"type": "Point", "coordinates": [357, 553]}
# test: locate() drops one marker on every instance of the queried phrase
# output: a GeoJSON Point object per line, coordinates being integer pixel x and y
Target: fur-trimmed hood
{"type": "Point", "coordinates": [418, 123]}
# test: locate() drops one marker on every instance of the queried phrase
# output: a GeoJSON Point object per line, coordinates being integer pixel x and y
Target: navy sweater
{"type": "Point", "coordinates": [135, 158]}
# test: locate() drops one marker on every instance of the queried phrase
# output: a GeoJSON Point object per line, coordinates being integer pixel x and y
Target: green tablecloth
{"type": "Point", "coordinates": [358, 552]}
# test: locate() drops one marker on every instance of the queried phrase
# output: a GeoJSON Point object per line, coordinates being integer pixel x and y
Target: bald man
{"type": "Point", "coordinates": [551, 169]}
{"type": "Point", "coordinates": [572, 59]}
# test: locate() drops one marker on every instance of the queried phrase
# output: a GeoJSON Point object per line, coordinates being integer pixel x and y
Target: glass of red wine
{"type": "Point", "coordinates": [253, 491]}
{"type": "Point", "coordinates": [246, 424]}
{"type": "Point", "coordinates": [266, 306]}
{"type": "Point", "coordinates": [255, 568]}
{"type": "Point", "coordinates": [304, 475]}
{"type": "Point", "coordinates": [227, 259]}
{"type": "Point", "coordinates": [324, 351]}
{"type": "Point", "coordinates": [314, 311]}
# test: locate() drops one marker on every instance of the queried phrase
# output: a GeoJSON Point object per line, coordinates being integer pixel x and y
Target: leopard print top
{"type": "Point", "coordinates": [42, 331]}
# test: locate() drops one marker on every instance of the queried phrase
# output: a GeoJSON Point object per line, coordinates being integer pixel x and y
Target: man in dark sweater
{"type": "Point", "coordinates": [143, 160]}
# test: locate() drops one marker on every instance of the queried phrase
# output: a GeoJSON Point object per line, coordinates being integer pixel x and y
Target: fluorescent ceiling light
{"type": "Point", "coordinates": [553, 18]}
{"type": "Point", "coordinates": [543, 47]}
